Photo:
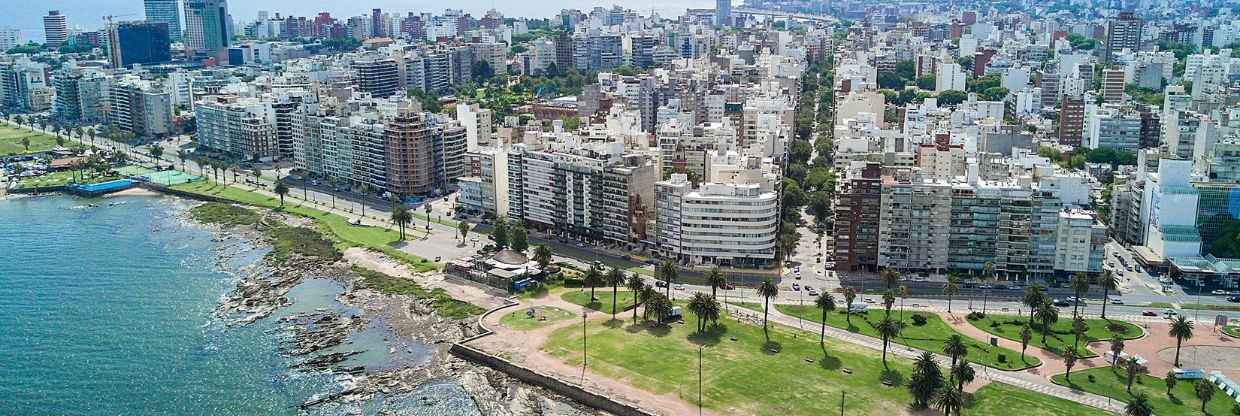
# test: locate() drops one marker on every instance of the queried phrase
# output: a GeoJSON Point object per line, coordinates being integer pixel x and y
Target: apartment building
{"type": "Point", "coordinates": [409, 145]}
{"type": "Point", "coordinates": [856, 228]}
{"type": "Point", "coordinates": [733, 224]}
{"type": "Point", "coordinates": [240, 126]}
{"type": "Point", "coordinates": [140, 107]}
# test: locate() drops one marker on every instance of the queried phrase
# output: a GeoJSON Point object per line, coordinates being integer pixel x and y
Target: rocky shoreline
{"type": "Point", "coordinates": [262, 290]}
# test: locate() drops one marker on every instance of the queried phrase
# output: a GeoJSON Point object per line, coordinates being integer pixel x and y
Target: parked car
{"type": "Point", "coordinates": [1234, 299]}
{"type": "Point", "coordinates": [796, 287]}
{"type": "Point", "coordinates": [1149, 313]}
{"type": "Point", "coordinates": [660, 283]}
{"type": "Point", "coordinates": [1115, 300]}
{"type": "Point", "coordinates": [1061, 302]}
{"type": "Point", "coordinates": [811, 292]}
{"type": "Point", "coordinates": [1219, 292]}
{"type": "Point", "coordinates": [1170, 313]}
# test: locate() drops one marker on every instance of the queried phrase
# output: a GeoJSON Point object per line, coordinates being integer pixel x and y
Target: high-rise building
{"type": "Point", "coordinates": [167, 12]}
{"type": "Point", "coordinates": [856, 218]}
{"type": "Point", "coordinates": [1071, 121]}
{"type": "Point", "coordinates": [716, 223]}
{"type": "Point", "coordinates": [380, 77]}
{"type": "Point", "coordinates": [206, 28]}
{"type": "Point", "coordinates": [9, 38]}
{"type": "Point", "coordinates": [55, 28]}
{"type": "Point", "coordinates": [1113, 86]}
{"type": "Point", "coordinates": [723, 12]}
{"type": "Point", "coordinates": [140, 107]}
{"type": "Point", "coordinates": [376, 23]}
{"type": "Point", "coordinates": [1123, 32]}
{"type": "Point", "coordinates": [132, 43]}
{"type": "Point", "coordinates": [409, 142]}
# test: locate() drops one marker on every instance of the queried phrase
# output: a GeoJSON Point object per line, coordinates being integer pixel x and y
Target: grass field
{"type": "Point", "coordinates": [336, 227]}
{"type": "Point", "coordinates": [739, 375]}
{"type": "Point", "coordinates": [444, 304]}
{"type": "Point", "coordinates": [544, 315]}
{"type": "Point", "coordinates": [64, 178]}
{"type": "Point", "coordinates": [602, 303]}
{"type": "Point", "coordinates": [998, 399]}
{"type": "Point", "coordinates": [11, 141]}
{"type": "Point", "coordinates": [929, 337]}
{"type": "Point", "coordinates": [223, 214]}
{"type": "Point", "coordinates": [1060, 336]}
{"type": "Point", "coordinates": [1183, 401]}
{"type": "Point", "coordinates": [1231, 330]}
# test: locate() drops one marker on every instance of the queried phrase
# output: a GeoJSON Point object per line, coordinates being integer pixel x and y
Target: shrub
{"type": "Point", "coordinates": [919, 319]}
{"type": "Point", "coordinates": [975, 315]}
{"type": "Point", "coordinates": [1117, 328]}
{"type": "Point", "coordinates": [1092, 378]}
{"type": "Point", "coordinates": [1002, 358]}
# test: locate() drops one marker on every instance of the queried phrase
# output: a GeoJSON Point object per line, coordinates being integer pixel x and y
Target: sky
{"type": "Point", "coordinates": [89, 14]}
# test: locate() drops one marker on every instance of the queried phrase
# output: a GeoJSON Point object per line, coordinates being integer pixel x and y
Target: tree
{"type": "Point", "coordinates": [26, 143]}
{"type": "Point", "coordinates": [952, 97]}
{"type": "Point", "coordinates": [903, 295]}
{"type": "Point", "coordinates": [699, 304]}
{"type": "Point", "coordinates": [667, 273]}
{"type": "Point", "coordinates": [1047, 315]}
{"type": "Point", "coordinates": [182, 155]}
{"type": "Point", "coordinates": [1078, 329]}
{"type": "Point", "coordinates": [850, 295]}
{"type": "Point", "coordinates": [988, 273]}
{"type": "Point", "coordinates": [949, 400]}
{"type": "Point", "coordinates": [1025, 335]}
{"type": "Point", "coordinates": [963, 374]}
{"type": "Point", "coordinates": [1132, 368]}
{"type": "Point", "coordinates": [954, 347]}
{"type": "Point", "coordinates": [826, 303]}
{"type": "Point", "coordinates": [1033, 298]}
{"type": "Point", "coordinates": [889, 299]}
{"type": "Point", "coordinates": [281, 189]}
{"type": "Point", "coordinates": [927, 378]}
{"type": "Point", "coordinates": [1204, 391]}
{"type": "Point", "coordinates": [592, 279]}
{"type": "Point", "coordinates": [1170, 381]}
{"type": "Point", "coordinates": [1117, 348]}
{"type": "Point", "coordinates": [658, 305]}
{"type": "Point", "coordinates": [157, 152]}
{"type": "Point", "coordinates": [890, 278]}
{"type": "Point", "coordinates": [767, 290]}
{"type": "Point", "coordinates": [542, 255]}
{"type": "Point", "coordinates": [463, 228]}
{"type": "Point", "coordinates": [1080, 285]}
{"type": "Point", "coordinates": [951, 288]}
{"type": "Point", "coordinates": [715, 279]}
{"type": "Point", "coordinates": [1181, 329]}
{"type": "Point", "coordinates": [887, 329]}
{"type": "Point", "coordinates": [615, 277]}
{"type": "Point", "coordinates": [520, 238]}
{"type": "Point", "coordinates": [500, 233]}
{"type": "Point", "coordinates": [637, 286]}
{"type": "Point", "coordinates": [1139, 406]}
{"type": "Point", "coordinates": [1069, 360]}
{"type": "Point", "coordinates": [401, 216]}
{"type": "Point", "coordinates": [1108, 282]}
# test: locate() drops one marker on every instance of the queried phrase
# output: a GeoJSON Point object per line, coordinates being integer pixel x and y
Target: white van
{"type": "Point", "coordinates": [858, 308]}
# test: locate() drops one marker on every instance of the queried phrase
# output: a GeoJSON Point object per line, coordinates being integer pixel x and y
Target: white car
{"type": "Point", "coordinates": [1116, 301]}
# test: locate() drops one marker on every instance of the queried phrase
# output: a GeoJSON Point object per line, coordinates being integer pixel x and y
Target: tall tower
{"type": "Point", "coordinates": [1123, 32]}
{"type": "Point", "coordinates": [376, 23]}
{"type": "Point", "coordinates": [206, 27]}
{"type": "Point", "coordinates": [55, 28]}
{"type": "Point", "coordinates": [167, 12]}
{"type": "Point", "coordinates": [723, 12]}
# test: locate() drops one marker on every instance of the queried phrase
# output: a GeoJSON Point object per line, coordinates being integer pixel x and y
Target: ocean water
{"type": "Point", "coordinates": [108, 310]}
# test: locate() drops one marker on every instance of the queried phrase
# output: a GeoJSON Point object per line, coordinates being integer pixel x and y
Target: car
{"type": "Point", "coordinates": [809, 288]}
{"type": "Point", "coordinates": [727, 286]}
{"type": "Point", "coordinates": [1219, 292]}
{"type": "Point", "coordinates": [811, 292]}
{"type": "Point", "coordinates": [1234, 299]}
{"type": "Point", "coordinates": [1170, 313]}
{"type": "Point", "coordinates": [1149, 313]}
{"type": "Point", "coordinates": [1061, 302]}
{"type": "Point", "coordinates": [438, 258]}
{"type": "Point", "coordinates": [660, 283]}
{"type": "Point", "coordinates": [679, 287]}
{"type": "Point", "coordinates": [796, 287]}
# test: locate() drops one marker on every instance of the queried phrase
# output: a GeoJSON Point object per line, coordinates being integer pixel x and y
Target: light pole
{"type": "Point", "coordinates": [584, 311]}
{"type": "Point", "coordinates": [699, 380]}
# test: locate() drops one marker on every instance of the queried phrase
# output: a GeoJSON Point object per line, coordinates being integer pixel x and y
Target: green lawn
{"type": "Point", "coordinates": [11, 141]}
{"type": "Point", "coordinates": [602, 303]}
{"type": "Point", "coordinates": [544, 315]}
{"type": "Point", "coordinates": [337, 227]}
{"type": "Point", "coordinates": [1231, 330]}
{"type": "Point", "coordinates": [998, 399]}
{"type": "Point", "coordinates": [444, 304]}
{"type": "Point", "coordinates": [929, 337]}
{"type": "Point", "coordinates": [223, 214]}
{"type": "Point", "coordinates": [1060, 336]}
{"type": "Point", "coordinates": [739, 375]}
{"type": "Point", "coordinates": [1112, 384]}
{"type": "Point", "coordinates": [63, 178]}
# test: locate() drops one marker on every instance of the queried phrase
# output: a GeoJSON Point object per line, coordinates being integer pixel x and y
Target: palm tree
{"type": "Point", "coordinates": [156, 152]}
{"type": "Point", "coordinates": [593, 277]}
{"type": "Point", "coordinates": [1181, 329]}
{"type": "Point", "coordinates": [954, 347]}
{"type": "Point", "coordinates": [890, 278]}
{"type": "Point", "coordinates": [1139, 406]}
{"type": "Point", "coordinates": [1080, 285]}
{"type": "Point", "coordinates": [949, 400]}
{"type": "Point", "coordinates": [1117, 348]}
{"type": "Point", "coordinates": [90, 131]}
{"type": "Point", "coordinates": [615, 277]}
{"type": "Point", "coordinates": [699, 305]}
{"type": "Point", "coordinates": [182, 155]}
{"type": "Point", "coordinates": [1108, 282]}
{"type": "Point", "coordinates": [850, 295]}
{"type": "Point", "coordinates": [826, 303]}
{"type": "Point", "coordinates": [951, 289]}
{"type": "Point", "coordinates": [889, 299]}
{"type": "Point", "coordinates": [463, 228]}
{"type": "Point", "coordinates": [1047, 315]}
{"type": "Point", "coordinates": [1025, 335]}
{"type": "Point", "coordinates": [1078, 328]}
{"type": "Point", "coordinates": [963, 374]}
{"type": "Point", "coordinates": [716, 280]}
{"type": "Point", "coordinates": [988, 273]}
{"type": "Point", "coordinates": [364, 189]}
{"type": "Point", "coordinates": [1170, 381]}
{"type": "Point", "coordinates": [903, 295]}
{"type": "Point", "coordinates": [667, 273]}
{"type": "Point", "coordinates": [887, 329]}
{"type": "Point", "coordinates": [768, 290]}
{"type": "Point", "coordinates": [256, 173]}
{"type": "Point", "coordinates": [331, 180]}
{"type": "Point", "coordinates": [926, 380]}
{"type": "Point", "coordinates": [1205, 392]}
{"type": "Point", "coordinates": [542, 253]}
{"type": "Point", "coordinates": [1069, 360]}
{"type": "Point", "coordinates": [1033, 298]}
{"type": "Point", "coordinates": [402, 217]}
{"type": "Point", "coordinates": [1132, 368]}
{"type": "Point", "coordinates": [26, 143]}
{"type": "Point", "coordinates": [281, 189]}
{"type": "Point", "coordinates": [636, 285]}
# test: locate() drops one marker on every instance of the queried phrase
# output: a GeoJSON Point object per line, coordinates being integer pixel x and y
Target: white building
{"type": "Point", "coordinates": [717, 224]}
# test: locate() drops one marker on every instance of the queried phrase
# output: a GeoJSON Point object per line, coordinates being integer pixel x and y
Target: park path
{"type": "Point", "coordinates": [524, 348]}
